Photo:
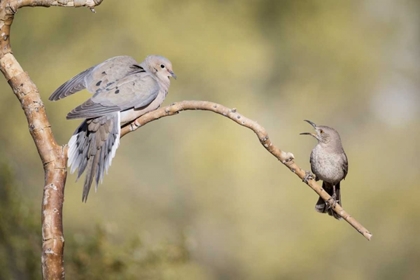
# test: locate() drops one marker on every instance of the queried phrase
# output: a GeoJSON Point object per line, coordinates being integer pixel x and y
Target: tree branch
{"type": "Point", "coordinates": [53, 156]}
{"type": "Point", "coordinates": [17, 4]}
{"type": "Point", "coordinates": [284, 157]}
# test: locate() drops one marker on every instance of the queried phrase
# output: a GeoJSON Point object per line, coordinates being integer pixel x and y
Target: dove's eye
{"type": "Point", "coordinates": [162, 66]}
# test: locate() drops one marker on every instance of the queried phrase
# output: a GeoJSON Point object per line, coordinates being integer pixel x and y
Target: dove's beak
{"type": "Point", "coordinates": [172, 74]}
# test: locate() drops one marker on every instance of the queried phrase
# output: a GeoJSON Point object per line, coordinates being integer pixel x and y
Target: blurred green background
{"type": "Point", "coordinates": [195, 196]}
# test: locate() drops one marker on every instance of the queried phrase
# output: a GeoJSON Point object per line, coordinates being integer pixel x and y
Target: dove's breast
{"type": "Point", "coordinates": [132, 114]}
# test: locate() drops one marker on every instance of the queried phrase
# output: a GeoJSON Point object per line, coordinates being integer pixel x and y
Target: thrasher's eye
{"type": "Point", "coordinates": [162, 66]}
{"type": "Point", "coordinates": [321, 131]}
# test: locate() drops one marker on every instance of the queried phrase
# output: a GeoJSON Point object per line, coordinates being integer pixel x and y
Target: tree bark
{"type": "Point", "coordinates": [53, 156]}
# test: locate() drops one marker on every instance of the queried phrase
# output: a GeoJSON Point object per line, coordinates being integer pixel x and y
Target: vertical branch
{"type": "Point", "coordinates": [53, 156]}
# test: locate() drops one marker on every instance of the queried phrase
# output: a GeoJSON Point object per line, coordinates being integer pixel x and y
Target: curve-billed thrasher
{"type": "Point", "coordinates": [329, 164]}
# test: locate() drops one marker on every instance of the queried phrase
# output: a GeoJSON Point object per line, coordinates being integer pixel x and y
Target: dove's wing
{"type": "Point", "coordinates": [97, 77]}
{"type": "Point", "coordinates": [133, 91]}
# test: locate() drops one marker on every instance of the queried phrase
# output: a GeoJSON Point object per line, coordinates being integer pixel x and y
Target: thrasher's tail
{"type": "Point", "coordinates": [322, 206]}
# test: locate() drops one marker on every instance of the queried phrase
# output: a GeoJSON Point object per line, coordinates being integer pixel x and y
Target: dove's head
{"type": "Point", "coordinates": [161, 67]}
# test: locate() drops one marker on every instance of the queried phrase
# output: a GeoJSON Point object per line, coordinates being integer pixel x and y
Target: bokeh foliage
{"type": "Point", "coordinates": [88, 256]}
{"type": "Point", "coordinates": [203, 184]}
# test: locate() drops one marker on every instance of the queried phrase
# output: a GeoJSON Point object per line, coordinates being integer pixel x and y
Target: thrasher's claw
{"type": "Point", "coordinates": [308, 176]}
{"type": "Point", "coordinates": [331, 202]}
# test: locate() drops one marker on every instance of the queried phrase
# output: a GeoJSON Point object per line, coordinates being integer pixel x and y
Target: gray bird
{"type": "Point", "coordinates": [123, 90]}
{"type": "Point", "coordinates": [329, 163]}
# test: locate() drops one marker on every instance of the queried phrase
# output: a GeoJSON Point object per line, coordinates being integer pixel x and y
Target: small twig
{"type": "Point", "coordinates": [284, 157]}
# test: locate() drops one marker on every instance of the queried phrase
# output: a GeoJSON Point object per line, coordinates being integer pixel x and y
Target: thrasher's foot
{"type": "Point", "coordinates": [308, 176]}
{"type": "Point", "coordinates": [331, 202]}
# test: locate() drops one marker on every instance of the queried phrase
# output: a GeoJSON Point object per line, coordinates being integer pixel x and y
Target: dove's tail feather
{"type": "Point", "coordinates": [92, 148]}
{"type": "Point", "coordinates": [322, 206]}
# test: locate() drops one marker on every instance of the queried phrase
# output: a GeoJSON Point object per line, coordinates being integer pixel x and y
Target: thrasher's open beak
{"type": "Point", "coordinates": [308, 133]}
{"type": "Point", "coordinates": [311, 123]}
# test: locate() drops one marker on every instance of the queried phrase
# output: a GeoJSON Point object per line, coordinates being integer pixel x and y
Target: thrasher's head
{"type": "Point", "coordinates": [323, 134]}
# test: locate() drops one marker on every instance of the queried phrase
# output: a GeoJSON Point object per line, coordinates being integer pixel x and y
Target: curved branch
{"type": "Point", "coordinates": [284, 157]}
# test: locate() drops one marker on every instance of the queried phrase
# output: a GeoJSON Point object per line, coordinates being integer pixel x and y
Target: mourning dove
{"type": "Point", "coordinates": [123, 90]}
